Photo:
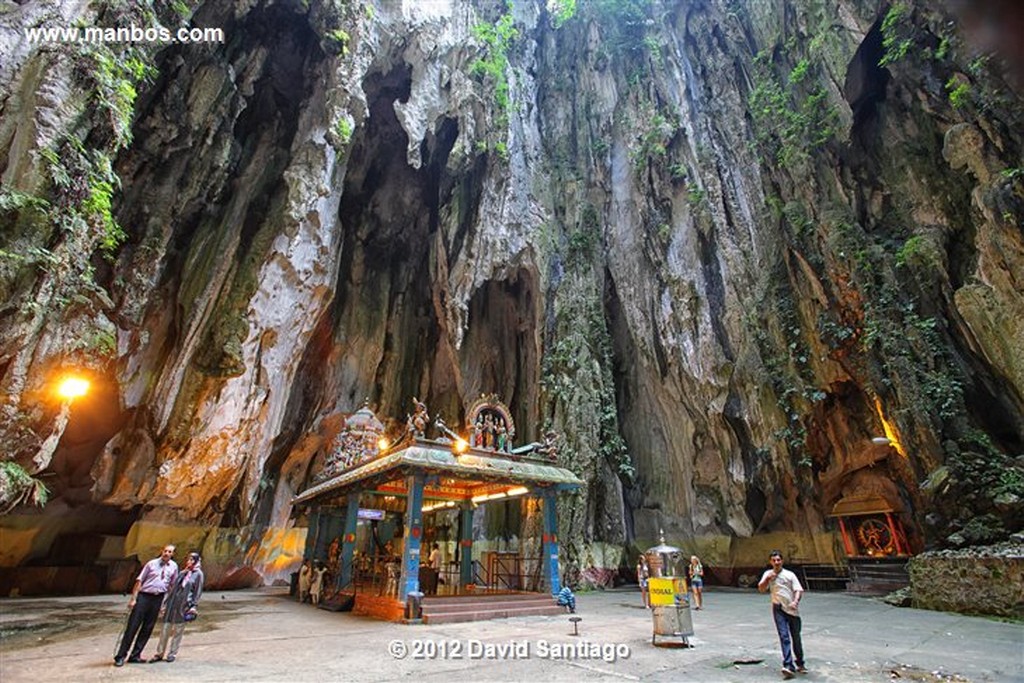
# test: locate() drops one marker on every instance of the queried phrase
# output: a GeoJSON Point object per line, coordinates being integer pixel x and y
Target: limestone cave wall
{"type": "Point", "coordinates": [717, 246]}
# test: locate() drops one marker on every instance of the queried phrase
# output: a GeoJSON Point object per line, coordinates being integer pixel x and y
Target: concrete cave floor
{"type": "Point", "coordinates": [263, 635]}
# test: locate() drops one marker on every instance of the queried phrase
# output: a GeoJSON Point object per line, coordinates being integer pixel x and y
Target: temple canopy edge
{"type": "Point", "coordinates": [438, 458]}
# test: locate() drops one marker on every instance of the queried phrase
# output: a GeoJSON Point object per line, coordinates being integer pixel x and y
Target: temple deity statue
{"type": "Point", "coordinates": [549, 448]}
{"type": "Point", "coordinates": [420, 418]}
{"type": "Point", "coordinates": [357, 442]}
{"type": "Point", "coordinates": [490, 424]}
{"type": "Point", "coordinates": [488, 431]}
{"type": "Point", "coordinates": [478, 432]}
{"type": "Point", "coordinates": [501, 439]}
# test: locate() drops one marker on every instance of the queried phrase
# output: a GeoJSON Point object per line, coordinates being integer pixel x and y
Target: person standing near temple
{"type": "Point", "coordinates": [153, 582]}
{"type": "Point", "coordinates": [394, 572]}
{"type": "Point", "coordinates": [786, 592]}
{"type": "Point", "coordinates": [180, 607]}
{"type": "Point", "coordinates": [317, 586]}
{"type": "Point", "coordinates": [305, 579]}
{"type": "Point", "coordinates": [434, 561]}
{"type": "Point", "coordinates": [642, 575]}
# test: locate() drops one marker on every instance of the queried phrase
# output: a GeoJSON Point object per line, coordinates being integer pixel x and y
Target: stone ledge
{"type": "Point", "coordinates": [974, 581]}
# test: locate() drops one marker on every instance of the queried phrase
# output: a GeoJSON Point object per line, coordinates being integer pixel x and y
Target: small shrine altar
{"type": "Point", "coordinates": [874, 541]}
{"type": "Point", "coordinates": [428, 467]}
{"type": "Point", "coordinates": [870, 527]}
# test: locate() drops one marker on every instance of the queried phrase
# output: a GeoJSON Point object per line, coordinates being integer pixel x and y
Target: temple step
{"type": "Point", "coordinates": [484, 597]}
{"type": "Point", "coordinates": [486, 612]}
{"type": "Point", "coordinates": [447, 610]}
{"type": "Point", "coordinates": [878, 576]}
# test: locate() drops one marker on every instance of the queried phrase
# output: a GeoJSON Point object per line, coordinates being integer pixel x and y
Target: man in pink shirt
{"type": "Point", "coordinates": [156, 577]}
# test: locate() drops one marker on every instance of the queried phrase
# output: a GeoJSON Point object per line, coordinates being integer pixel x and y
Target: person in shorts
{"type": "Point", "coordinates": [696, 572]}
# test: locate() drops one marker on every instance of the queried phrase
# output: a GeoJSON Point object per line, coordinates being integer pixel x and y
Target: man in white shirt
{"type": "Point", "coordinates": [434, 561]}
{"type": "Point", "coordinates": [786, 593]}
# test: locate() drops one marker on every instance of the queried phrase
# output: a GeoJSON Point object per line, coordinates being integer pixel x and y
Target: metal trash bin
{"type": "Point", "coordinates": [669, 594]}
{"type": "Point", "coordinates": [414, 605]}
{"type": "Point", "coordinates": [672, 621]}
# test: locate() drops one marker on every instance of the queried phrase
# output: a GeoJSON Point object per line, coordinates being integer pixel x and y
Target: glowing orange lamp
{"type": "Point", "coordinates": [72, 387]}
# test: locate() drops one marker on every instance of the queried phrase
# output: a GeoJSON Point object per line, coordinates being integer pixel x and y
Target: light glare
{"type": "Point", "coordinates": [73, 387]}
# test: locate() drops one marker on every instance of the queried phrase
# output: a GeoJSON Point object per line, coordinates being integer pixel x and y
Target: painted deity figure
{"type": "Point", "coordinates": [549, 448]}
{"type": "Point", "coordinates": [501, 440]}
{"type": "Point", "coordinates": [346, 444]}
{"type": "Point", "coordinates": [478, 432]}
{"type": "Point", "coordinates": [418, 421]}
{"type": "Point", "coordinates": [488, 431]}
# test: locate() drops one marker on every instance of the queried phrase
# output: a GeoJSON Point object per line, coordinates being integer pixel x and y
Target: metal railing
{"type": "Point", "coordinates": [380, 574]}
{"type": "Point", "coordinates": [513, 572]}
{"type": "Point", "coordinates": [824, 576]}
{"type": "Point", "coordinates": [376, 574]}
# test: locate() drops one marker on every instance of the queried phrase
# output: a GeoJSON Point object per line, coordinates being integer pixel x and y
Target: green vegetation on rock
{"type": "Point", "coordinates": [897, 34]}
{"type": "Point", "coordinates": [791, 121]}
{"type": "Point", "coordinates": [18, 487]}
{"type": "Point", "coordinates": [496, 39]}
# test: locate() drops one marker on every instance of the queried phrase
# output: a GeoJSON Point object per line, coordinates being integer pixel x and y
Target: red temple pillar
{"type": "Point", "coordinates": [846, 538]}
{"type": "Point", "coordinates": [896, 537]}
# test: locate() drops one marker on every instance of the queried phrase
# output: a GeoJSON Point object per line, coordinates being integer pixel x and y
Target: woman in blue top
{"type": "Point", "coordinates": [179, 608]}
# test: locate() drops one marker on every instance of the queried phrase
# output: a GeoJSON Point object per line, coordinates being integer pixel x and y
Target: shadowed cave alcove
{"type": "Point", "coordinates": [381, 339]}
{"type": "Point", "coordinates": [851, 463]}
{"type": "Point", "coordinates": [93, 420]}
{"type": "Point", "coordinates": [500, 353]}
{"type": "Point", "coordinates": [383, 319]}
{"type": "Point", "coordinates": [373, 341]}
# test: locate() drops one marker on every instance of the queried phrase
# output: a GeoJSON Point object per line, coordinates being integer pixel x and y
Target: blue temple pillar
{"type": "Point", "coordinates": [413, 535]}
{"type": "Point", "coordinates": [324, 526]}
{"type": "Point", "coordinates": [550, 539]}
{"type": "Point", "coordinates": [466, 545]}
{"type": "Point", "coordinates": [312, 533]}
{"type": "Point", "coordinates": [348, 540]}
